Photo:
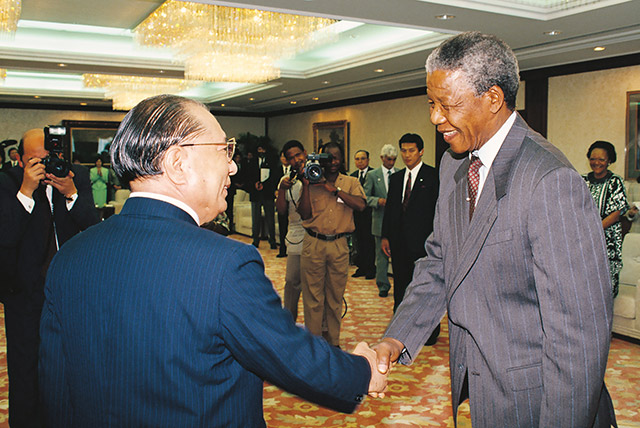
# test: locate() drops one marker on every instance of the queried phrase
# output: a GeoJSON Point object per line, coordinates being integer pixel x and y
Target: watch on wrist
{"type": "Point", "coordinates": [335, 192]}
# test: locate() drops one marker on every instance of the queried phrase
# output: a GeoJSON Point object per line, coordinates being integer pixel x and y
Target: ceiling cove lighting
{"type": "Point", "coordinates": [9, 15]}
{"type": "Point", "coordinates": [226, 44]}
{"type": "Point", "coordinates": [127, 91]}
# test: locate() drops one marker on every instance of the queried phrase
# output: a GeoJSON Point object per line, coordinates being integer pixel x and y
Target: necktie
{"type": "Point", "coordinates": [407, 192]}
{"type": "Point", "coordinates": [388, 179]}
{"type": "Point", "coordinates": [362, 177]}
{"type": "Point", "coordinates": [474, 180]}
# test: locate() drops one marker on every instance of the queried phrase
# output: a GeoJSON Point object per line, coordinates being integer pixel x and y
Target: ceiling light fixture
{"type": "Point", "coordinates": [3, 75]}
{"type": "Point", "coordinates": [226, 44]}
{"type": "Point", "coordinates": [315, 98]}
{"type": "Point", "coordinates": [552, 33]}
{"type": "Point", "coordinates": [127, 91]}
{"type": "Point", "coordinates": [293, 102]}
{"type": "Point", "coordinates": [379, 70]}
{"type": "Point", "coordinates": [445, 17]}
{"type": "Point", "coordinates": [62, 65]}
{"type": "Point", "coordinates": [9, 15]}
{"type": "Point", "coordinates": [326, 82]}
{"type": "Point", "coordinates": [599, 48]}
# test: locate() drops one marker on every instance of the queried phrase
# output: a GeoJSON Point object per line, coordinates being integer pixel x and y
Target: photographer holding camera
{"type": "Point", "coordinates": [326, 208]}
{"type": "Point", "coordinates": [40, 209]}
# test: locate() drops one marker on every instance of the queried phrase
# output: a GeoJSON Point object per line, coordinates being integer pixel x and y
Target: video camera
{"type": "Point", "coordinates": [315, 162]}
{"type": "Point", "coordinates": [54, 143]}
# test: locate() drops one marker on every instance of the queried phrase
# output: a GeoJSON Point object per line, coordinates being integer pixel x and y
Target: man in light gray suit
{"type": "Point", "coordinates": [376, 186]}
{"type": "Point", "coordinates": [520, 264]}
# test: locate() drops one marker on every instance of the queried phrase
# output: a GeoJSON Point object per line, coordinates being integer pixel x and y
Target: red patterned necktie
{"type": "Point", "coordinates": [474, 180]}
{"type": "Point", "coordinates": [407, 192]}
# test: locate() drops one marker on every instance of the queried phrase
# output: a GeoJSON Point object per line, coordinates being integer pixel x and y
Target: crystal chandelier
{"type": "Point", "coordinates": [226, 44]}
{"type": "Point", "coordinates": [9, 16]}
{"type": "Point", "coordinates": [127, 91]}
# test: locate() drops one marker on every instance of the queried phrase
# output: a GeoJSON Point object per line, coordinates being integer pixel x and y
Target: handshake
{"type": "Point", "coordinates": [381, 358]}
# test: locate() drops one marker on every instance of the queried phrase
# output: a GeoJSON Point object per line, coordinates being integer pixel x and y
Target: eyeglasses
{"type": "Point", "coordinates": [230, 143]}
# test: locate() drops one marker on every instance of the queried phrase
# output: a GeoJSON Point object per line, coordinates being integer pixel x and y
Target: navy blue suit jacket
{"type": "Point", "coordinates": [150, 320]}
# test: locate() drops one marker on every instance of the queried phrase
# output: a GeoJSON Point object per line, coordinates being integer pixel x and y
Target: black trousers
{"type": "Point", "coordinates": [22, 325]}
{"type": "Point", "coordinates": [365, 243]}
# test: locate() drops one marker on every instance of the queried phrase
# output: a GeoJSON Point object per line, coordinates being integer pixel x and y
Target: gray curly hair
{"type": "Point", "coordinates": [485, 61]}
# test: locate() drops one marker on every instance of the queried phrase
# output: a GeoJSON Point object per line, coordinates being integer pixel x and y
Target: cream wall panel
{"type": "Point", "coordinates": [587, 107]}
{"type": "Point", "coordinates": [372, 126]}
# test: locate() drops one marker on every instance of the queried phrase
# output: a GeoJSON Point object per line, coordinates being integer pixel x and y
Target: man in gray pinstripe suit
{"type": "Point", "coordinates": [520, 267]}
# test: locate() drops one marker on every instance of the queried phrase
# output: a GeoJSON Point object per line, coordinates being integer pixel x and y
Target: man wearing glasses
{"type": "Point", "coordinates": [150, 320]}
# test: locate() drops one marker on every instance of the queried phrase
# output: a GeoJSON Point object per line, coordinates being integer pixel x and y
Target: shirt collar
{"type": "Point", "coordinates": [489, 150]}
{"type": "Point", "coordinates": [169, 200]}
{"type": "Point", "coordinates": [416, 169]}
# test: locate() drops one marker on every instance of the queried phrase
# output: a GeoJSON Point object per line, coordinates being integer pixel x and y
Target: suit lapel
{"type": "Point", "coordinates": [470, 238]}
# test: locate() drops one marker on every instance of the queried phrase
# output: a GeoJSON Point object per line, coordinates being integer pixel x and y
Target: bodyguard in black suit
{"type": "Point", "coordinates": [31, 235]}
{"type": "Point", "coordinates": [408, 216]}
{"type": "Point", "coordinates": [364, 242]}
{"type": "Point", "coordinates": [263, 178]}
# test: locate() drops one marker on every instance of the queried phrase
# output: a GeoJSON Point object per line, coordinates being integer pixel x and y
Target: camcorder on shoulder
{"type": "Point", "coordinates": [315, 163]}
{"type": "Point", "coordinates": [54, 143]}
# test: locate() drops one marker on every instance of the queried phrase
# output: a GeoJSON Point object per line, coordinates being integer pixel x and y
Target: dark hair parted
{"type": "Point", "coordinates": [291, 144]}
{"type": "Point", "coordinates": [148, 130]}
{"type": "Point", "coordinates": [485, 61]}
{"type": "Point", "coordinates": [363, 151]}
{"type": "Point", "coordinates": [411, 138]}
{"type": "Point", "coordinates": [604, 145]}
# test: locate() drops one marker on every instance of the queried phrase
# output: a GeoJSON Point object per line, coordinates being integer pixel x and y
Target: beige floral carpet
{"type": "Point", "coordinates": [418, 396]}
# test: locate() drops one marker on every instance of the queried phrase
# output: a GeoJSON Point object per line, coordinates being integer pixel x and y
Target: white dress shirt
{"type": "Point", "coordinates": [489, 150]}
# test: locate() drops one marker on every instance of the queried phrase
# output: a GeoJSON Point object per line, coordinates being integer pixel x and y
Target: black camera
{"type": "Point", "coordinates": [54, 143]}
{"type": "Point", "coordinates": [315, 162]}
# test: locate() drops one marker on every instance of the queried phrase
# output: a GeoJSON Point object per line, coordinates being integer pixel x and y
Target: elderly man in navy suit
{"type": "Point", "coordinates": [150, 320]}
{"type": "Point", "coordinates": [517, 257]}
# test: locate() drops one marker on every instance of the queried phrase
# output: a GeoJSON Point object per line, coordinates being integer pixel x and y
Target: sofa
{"type": "Point", "coordinates": [242, 214]}
{"type": "Point", "coordinates": [119, 198]}
{"type": "Point", "coordinates": [626, 306]}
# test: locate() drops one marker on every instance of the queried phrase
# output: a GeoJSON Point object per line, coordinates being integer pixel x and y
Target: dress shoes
{"type": "Point", "coordinates": [370, 276]}
{"type": "Point", "coordinates": [256, 244]}
{"type": "Point", "coordinates": [358, 274]}
{"type": "Point", "coordinates": [383, 293]}
{"type": "Point", "coordinates": [274, 246]}
{"type": "Point", "coordinates": [281, 255]}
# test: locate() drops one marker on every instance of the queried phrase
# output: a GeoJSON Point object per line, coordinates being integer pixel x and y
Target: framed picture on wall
{"type": "Point", "coordinates": [632, 167]}
{"type": "Point", "coordinates": [89, 140]}
{"type": "Point", "coordinates": [337, 132]}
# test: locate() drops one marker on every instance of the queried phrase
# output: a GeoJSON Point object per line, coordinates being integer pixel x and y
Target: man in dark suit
{"type": "Point", "coordinates": [264, 176]}
{"type": "Point", "coordinates": [150, 320]}
{"type": "Point", "coordinates": [364, 242]}
{"type": "Point", "coordinates": [408, 214]}
{"type": "Point", "coordinates": [14, 156]}
{"type": "Point", "coordinates": [517, 257]}
{"type": "Point", "coordinates": [31, 234]}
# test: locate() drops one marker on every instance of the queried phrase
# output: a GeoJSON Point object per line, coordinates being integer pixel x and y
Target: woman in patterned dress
{"type": "Point", "coordinates": [609, 193]}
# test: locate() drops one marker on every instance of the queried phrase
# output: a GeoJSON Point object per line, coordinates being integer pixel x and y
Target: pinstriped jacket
{"type": "Point", "coordinates": [526, 288]}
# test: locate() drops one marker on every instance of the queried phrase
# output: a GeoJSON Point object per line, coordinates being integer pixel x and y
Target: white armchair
{"type": "Point", "coordinates": [119, 198]}
{"type": "Point", "coordinates": [626, 307]}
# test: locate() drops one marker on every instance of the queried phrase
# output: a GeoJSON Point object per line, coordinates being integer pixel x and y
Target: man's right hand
{"type": "Point", "coordinates": [286, 183]}
{"type": "Point", "coordinates": [388, 352]}
{"type": "Point", "coordinates": [33, 173]}
{"type": "Point", "coordinates": [386, 248]}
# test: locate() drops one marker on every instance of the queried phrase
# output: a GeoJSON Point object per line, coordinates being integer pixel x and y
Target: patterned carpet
{"type": "Point", "coordinates": [418, 396]}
